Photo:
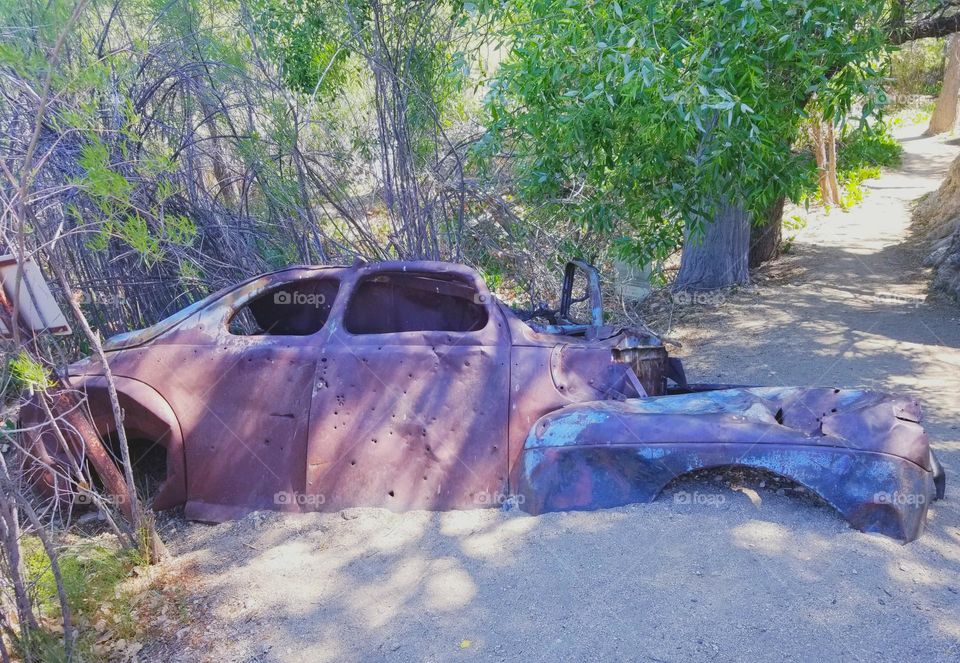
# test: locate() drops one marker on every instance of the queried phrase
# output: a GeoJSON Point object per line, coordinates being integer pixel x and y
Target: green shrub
{"type": "Point", "coordinates": [861, 152]}
{"type": "Point", "coordinates": [92, 573]}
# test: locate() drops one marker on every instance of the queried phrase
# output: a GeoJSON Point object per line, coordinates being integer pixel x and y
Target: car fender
{"type": "Point", "coordinates": [146, 414]}
{"type": "Point", "coordinates": [863, 452]}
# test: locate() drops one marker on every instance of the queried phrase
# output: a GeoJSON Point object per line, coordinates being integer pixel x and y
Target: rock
{"type": "Point", "coordinates": [937, 218]}
{"type": "Point", "coordinates": [935, 258]}
{"type": "Point", "coordinates": [947, 277]}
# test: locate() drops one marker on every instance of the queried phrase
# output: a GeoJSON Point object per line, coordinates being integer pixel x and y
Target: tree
{"type": "Point", "coordinates": [823, 139]}
{"type": "Point", "coordinates": [667, 122]}
{"type": "Point", "coordinates": [944, 115]}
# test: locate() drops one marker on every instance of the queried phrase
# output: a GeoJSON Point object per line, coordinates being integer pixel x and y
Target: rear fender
{"type": "Point", "coordinates": [147, 415]}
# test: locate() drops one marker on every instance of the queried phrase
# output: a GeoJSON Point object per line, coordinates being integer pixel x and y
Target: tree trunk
{"type": "Point", "coordinates": [944, 115]}
{"type": "Point", "coordinates": [765, 238]}
{"type": "Point", "coordinates": [718, 257]}
{"type": "Point", "coordinates": [831, 145]}
{"type": "Point", "coordinates": [824, 145]}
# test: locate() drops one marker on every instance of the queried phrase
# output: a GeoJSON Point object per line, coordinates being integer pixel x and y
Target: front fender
{"type": "Point", "coordinates": [862, 452]}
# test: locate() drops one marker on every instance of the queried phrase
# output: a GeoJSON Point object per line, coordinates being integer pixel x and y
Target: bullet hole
{"type": "Point", "coordinates": [390, 493]}
{"type": "Point", "coordinates": [353, 462]}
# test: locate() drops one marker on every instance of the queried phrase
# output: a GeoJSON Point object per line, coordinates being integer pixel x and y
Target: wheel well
{"type": "Point", "coordinates": [148, 458]}
{"type": "Point", "coordinates": [732, 476]}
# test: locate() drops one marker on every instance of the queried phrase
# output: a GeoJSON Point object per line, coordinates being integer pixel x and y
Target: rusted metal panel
{"type": "Point", "coordinates": [856, 449]}
{"type": "Point", "coordinates": [409, 427]}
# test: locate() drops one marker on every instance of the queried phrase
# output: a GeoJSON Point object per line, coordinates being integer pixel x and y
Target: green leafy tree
{"type": "Point", "coordinates": [659, 120]}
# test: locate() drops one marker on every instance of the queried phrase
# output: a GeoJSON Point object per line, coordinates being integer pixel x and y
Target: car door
{"type": "Point", "coordinates": [409, 405]}
{"type": "Point", "coordinates": [244, 403]}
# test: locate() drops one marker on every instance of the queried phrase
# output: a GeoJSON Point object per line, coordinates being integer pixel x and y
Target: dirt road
{"type": "Point", "coordinates": [718, 578]}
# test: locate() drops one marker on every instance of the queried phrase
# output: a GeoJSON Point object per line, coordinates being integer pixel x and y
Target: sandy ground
{"type": "Point", "coordinates": [722, 578]}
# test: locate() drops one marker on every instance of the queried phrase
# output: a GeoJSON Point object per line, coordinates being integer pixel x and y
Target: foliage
{"type": "Point", "coordinates": [867, 145]}
{"type": "Point", "coordinates": [93, 574]}
{"type": "Point", "coordinates": [309, 40]}
{"type": "Point", "coordinates": [861, 152]}
{"type": "Point", "coordinates": [917, 68]}
{"type": "Point", "coordinates": [640, 118]}
{"type": "Point", "coordinates": [28, 374]}
{"type": "Point", "coordinates": [190, 144]}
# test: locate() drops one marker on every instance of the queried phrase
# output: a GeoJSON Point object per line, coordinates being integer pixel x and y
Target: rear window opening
{"type": "Point", "coordinates": [409, 302]}
{"type": "Point", "coordinates": [300, 308]}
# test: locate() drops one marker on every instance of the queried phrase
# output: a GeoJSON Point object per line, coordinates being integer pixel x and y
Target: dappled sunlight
{"type": "Point", "coordinates": [765, 536]}
{"type": "Point", "coordinates": [908, 571]}
{"type": "Point", "coordinates": [465, 523]}
{"type": "Point", "coordinates": [948, 624]}
{"type": "Point", "coordinates": [780, 543]}
{"type": "Point", "coordinates": [378, 603]}
{"type": "Point", "coordinates": [449, 587]}
{"type": "Point", "coordinates": [498, 543]}
{"type": "Point", "coordinates": [382, 535]}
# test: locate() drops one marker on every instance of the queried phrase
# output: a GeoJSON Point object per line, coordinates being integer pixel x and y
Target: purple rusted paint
{"type": "Point", "coordinates": [406, 385]}
{"type": "Point", "coordinates": [863, 452]}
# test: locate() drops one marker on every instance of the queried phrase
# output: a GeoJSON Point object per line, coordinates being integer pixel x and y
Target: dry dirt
{"type": "Point", "coordinates": [757, 573]}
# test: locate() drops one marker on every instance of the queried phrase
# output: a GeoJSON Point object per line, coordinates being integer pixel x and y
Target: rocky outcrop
{"type": "Point", "coordinates": [936, 220]}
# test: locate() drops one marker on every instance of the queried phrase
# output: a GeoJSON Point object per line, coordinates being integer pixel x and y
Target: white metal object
{"type": "Point", "coordinates": [37, 308]}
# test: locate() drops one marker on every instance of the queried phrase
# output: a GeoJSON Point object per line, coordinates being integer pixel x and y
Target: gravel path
{"type": "Point", "coordinates": [748, 572]}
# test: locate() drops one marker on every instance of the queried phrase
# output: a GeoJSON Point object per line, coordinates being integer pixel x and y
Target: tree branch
{"type": "Point", "coordinates": [935, 27]}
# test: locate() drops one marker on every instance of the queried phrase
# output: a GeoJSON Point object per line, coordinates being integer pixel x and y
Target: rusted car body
{"type": "Point", "coordinates": [406, 385]}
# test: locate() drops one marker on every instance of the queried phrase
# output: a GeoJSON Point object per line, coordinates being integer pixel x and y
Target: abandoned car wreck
{"type": "Point", "coordinates": [407, 385]}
